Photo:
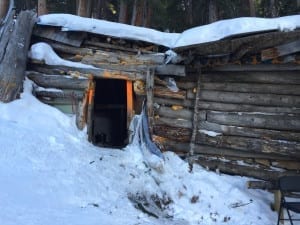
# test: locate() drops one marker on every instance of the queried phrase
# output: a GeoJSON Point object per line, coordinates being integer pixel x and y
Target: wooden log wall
{"type": "Point", "coordinates": [248, 122]}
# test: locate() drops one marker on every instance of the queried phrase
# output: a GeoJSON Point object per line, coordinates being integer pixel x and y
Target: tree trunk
{"type": "Point", "coordinates": [84, 8]}
{"type": "Point", "coordinates": [134, 9]}
{"type": "Point", "coordinates": [252, 8]}
{"type": "Point", "coordinates": [123, 11]}
{"type": "Point", "coordinates": [212, 11]}
{"type": "Point", "coordinates": [272, 8]}
{"type": "Point", "coordinates": [42, 7]}
{"type": "Point", "coordinates": [14, 46]}
{"type": "Point", "coordinates": [3, 8]}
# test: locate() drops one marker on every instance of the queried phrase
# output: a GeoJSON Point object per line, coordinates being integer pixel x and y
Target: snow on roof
{"type": "Point", "coordinates": [202, 34]}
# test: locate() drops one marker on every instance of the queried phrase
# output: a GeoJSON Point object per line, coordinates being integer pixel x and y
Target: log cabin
{"type": "Point", "coordinates": [231, 105]}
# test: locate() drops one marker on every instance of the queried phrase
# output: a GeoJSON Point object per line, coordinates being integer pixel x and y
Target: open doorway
{"type": "Point", "coordinates": [109, 116]}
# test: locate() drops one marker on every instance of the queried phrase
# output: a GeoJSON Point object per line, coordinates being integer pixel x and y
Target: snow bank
{"type": "Point", "coordinates": [207, 33]}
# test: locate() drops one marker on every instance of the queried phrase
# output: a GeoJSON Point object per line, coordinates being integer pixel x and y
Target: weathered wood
{"type": "Point", "coordinates": [286, 148]}
{"type": "Point", "coordinates": [149, 93]}
{"type": "Point", "coordinates": [54, 33]}
{"type": "Point", "coordinates": [286, 164]}
{"type": "Point", "coordinates": [254, 68]}
{"type": "Point", "coordinates": [57, 81]}
{"type": "Point", "coordinates": [160, 91]}
{"type": "Point", "coordinates": [180, 123]}
{"type": "Point", "coordinates": [114, 47]}
{"type": "Point", "coordinates": [59, 94]}
{"type": "Point", "coordinates": [173, 133]}
{"type": "Point", "coordinates": [229, 107]}
{"type": "Point", "coordinates": [280, 50]}
{"type": "Point", "coordinates": [276, 77]}
{"type": "Point", "coordinates": [58, 47]}
{"type": "Point", "coordinates": [282, 89]}
{"type": "Point", "coordinates": [265, 185]}
{"type": "Point", "coordinates": [81, 113]}
{"type": "Point", "coordinates": [169, 102]}
{"type": "Point", "coordinates": [13, 53]}
{"type": "Point", "coordinates": [250, 132]}
{"type": "Point", "coordinates": [252, 43]}
{"type": "Point", "coordinates": [247, 98]}
{"type": "Point", "coordinates": [177, 114]}
{"type": "Point", "coordinates": [97, 73]}
{"type": "Point", "coordinates": [196, 117]}
{"type": "Point", "coordinates": [101, 57]}
{"type": "Point", "coordinates": [242, 170]}
{"type": "Point", "coordinates": [255, 120]}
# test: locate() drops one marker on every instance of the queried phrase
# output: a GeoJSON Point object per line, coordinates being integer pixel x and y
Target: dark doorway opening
{"type": "Point", "coordinates": [109, 123]}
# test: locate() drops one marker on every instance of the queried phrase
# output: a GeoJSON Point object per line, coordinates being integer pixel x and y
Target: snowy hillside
{"type": "Point", "coordinates": [51, 175]}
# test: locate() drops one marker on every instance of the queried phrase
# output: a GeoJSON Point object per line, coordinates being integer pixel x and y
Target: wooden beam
{"type": "Point", "coordinates": [171, 70]}
{"type": "Point", "coordinates": [280, 50]}
{"type": "Point", "coordinates": [254, 68]}
{"type": "Point", "coordinates": [57, 81]}
{"type": "Point", "coordinates": [273, 122]}
{"type": "Point", "coordinates": [250, 132]}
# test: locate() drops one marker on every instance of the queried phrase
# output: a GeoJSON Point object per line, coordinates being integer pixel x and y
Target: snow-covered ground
{"type": "Point", "coordinates": [51, 175]}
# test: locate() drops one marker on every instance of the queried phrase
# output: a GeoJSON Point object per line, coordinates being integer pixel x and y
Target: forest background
{"type": "Point", "coordinates": [164, 15]}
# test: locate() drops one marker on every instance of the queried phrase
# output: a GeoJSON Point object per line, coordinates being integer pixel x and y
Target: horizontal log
{"type": "Point", "coordinates": [173, 133]}
{"type": "Point", "coordinates": [59, 47]}
{"type": "Point", "coordinates": [247, 98]}
{"type": "Point", "coordinates": [283, 89]}
{"type": "Point", "coordinates": [59, 94]}
{"type": "Point", "coordinates": [57, 81]}
{"type": "Point", "coordinates": [264, 185]}
{"type": "Point", "coordinates": [243, 170]}
{"type": "Point", "coordinates": [97, 73]}
{"type": "Point", "coordinates": [179, 102]}
{"type": "Point", "coordinates": [177, 114]}
{"type": "Point", "coordinates": [101, 56]}
{"type": "Point", "coordinates": [183, 147]}
{"type": "Point", "coordinates": [57, 100]}
{"type": "Point", "coordinates": [278, 77]}
{"type": "Point", "coordinates": [286, 164]}
{"type": "Point", "coordinates": [180, 123]}
{"type": "Point", "coordinates": [254, 68]}
{"type": "Point", "coordinates": [285, 148]}
{"type": "Point", "coordinates": [281, 50]}
{"type": "Point", "coordinates": [256, 120]}
{"type": "Point", "coordinates": [113, 47]}
{"type": "Point", "coordinates": [160, 91]}
{"type": "Point", "coordinates": [250, 132]}
{"type": "Point", "coordinates": [230, 107]}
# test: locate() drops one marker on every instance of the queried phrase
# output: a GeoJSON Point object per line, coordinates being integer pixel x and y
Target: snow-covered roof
{"type": "Point", "coordinates": [202, 34]}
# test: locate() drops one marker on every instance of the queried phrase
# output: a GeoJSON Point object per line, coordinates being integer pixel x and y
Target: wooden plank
{"type": "Point", "coordinates": [248, 98]}
{"type": "Point", "coordinates": [280, 50]}
{"type": "Point", "coordinates": [229, 107]}
{"type": "Point", "coordinates": [58, 47]}
{"type": "Point", "coordinates": [160, 91]}
{"type": "Point", "coordinates": [278, 77]}
{"type": "Point", "coordinates": [54, 33]}
{"type": "Point", "coordinates": [252, 120]}
{"type": "Point", "coordinates": [283, 89]}
{"type": "Point", "coordinates": [149, 94]}
{"type": "Point", "coordinates": [278, 147]}
{"type": "Point", "coordinates": [57, 81]}
{"type": "Point", "coordinates": [250, 132]}
{"type": "Point", "coordinates": [14, 45]}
